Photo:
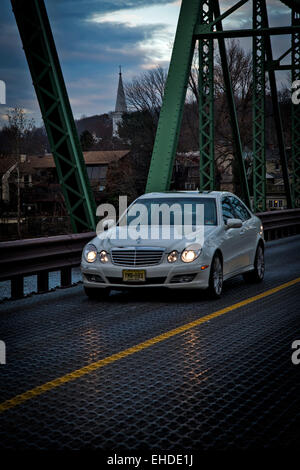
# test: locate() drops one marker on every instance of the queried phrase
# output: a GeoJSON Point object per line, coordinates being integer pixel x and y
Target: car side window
{"type": "Point", "coordinates": [239, 209]}
{"type": "Point", "coordinates": [227, 210]}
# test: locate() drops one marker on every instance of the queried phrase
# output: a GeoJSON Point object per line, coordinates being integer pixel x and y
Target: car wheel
{"type": "Point", "coordinates": [258, 272]}
{"type": "Point", "coordinates": [99, 294]}
{"type": "Point", "coordinates": [216, 278]}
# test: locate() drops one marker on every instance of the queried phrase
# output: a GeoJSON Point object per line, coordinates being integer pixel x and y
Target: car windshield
{"type": "Point", "coordinates": [172, 211]}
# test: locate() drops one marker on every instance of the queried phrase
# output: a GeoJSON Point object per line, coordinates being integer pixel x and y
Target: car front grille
{"type": "Point", "coordinates": [136, 257]}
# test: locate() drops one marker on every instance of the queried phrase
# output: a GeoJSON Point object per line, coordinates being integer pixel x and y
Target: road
{"type": "Point", "coordinates": [156, 369]}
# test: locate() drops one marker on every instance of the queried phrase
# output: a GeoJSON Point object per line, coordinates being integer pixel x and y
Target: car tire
{"type": "Point", "coordinates": [216, 278]}
{"type": "Point", "coordinates": [257, 274]}
{"type": "Point", "coordinates": [99, 294]}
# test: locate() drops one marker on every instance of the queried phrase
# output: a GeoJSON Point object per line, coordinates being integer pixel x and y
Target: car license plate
{"type": "Point", "coordinates": [134, 275]}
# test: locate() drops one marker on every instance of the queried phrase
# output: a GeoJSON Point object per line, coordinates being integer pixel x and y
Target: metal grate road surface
{"type": "Point", "coordinates": [227, 382]}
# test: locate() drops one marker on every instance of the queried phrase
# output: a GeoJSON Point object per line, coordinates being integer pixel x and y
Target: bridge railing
{"type": "Point", "coordinates": [280, 223]}
{"type": "Point", "coordinates": [41, 256]}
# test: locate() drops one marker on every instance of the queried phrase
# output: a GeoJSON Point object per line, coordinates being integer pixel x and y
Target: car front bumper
{"type": "Point", "coordinates": [176, 276]}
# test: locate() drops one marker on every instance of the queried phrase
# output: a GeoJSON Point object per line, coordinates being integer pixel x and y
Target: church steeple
{"type": "Point", "coordinates": [121, 106]}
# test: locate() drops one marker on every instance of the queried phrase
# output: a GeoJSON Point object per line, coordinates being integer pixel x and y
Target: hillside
{"type": "Point", "coordinates": [101, 125]}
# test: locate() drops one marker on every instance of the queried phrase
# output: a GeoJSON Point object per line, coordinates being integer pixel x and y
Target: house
{"type": "Point", "coordinates": [186, 174]}
{"type": "Point", "coordinates": [38, 180]}
{"type": "Point", "coordinates": [96, 163]}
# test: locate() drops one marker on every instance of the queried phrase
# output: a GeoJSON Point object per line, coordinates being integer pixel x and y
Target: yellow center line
{"type": "Point", "coordinates": [36, 391]}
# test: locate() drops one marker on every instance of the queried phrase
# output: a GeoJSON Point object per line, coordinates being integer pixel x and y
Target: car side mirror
{"type": "Point", "coordinates": [234, 223]}
{"type": "Point", "coordinates": [108, 223]}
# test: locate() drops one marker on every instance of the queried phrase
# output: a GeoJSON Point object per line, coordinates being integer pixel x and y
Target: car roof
{"type": "Point", "coordinates": [185, 194]}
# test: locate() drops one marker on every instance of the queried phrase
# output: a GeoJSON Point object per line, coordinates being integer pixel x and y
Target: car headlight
{"type": "Point", "coordinates": [173, 256]}
{"type": "Point", "coordinates": [187, 256]}
{"type": "Point", "coordinates": [104, 257]}
{"type": "Point", "coordinates": [90, 253]}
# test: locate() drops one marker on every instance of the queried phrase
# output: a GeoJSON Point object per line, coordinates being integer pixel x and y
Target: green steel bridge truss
{"type": "Point", "coordinates": [199, 20]}
{"type": "Point", "coordinates": [42, 58]}
{"type": "Point", "coordinates": [296, 111]}
{"type": "Point", "coordinates": [258, 108]}
{"type": "Point", "coordinates": [202, 20]}
{"type": "Point", "coordinates": [206, 101]}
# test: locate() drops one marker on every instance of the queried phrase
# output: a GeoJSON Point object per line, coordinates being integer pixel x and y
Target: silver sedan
{"type": "Point", "coordinates": [228, 242]}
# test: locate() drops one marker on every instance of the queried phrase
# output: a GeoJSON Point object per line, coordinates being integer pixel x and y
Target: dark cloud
{"type": "Point", "coordinates": [90, 53]}
{"type": "Point", "coordinates": [80, 7]}
{"type": "Point", "coordinates": [94, 61]}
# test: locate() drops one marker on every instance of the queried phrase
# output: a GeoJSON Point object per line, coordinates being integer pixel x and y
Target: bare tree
{"type": "Point", "coordinates": [145, 93]}
{"type": "Point", "coordinates": [20, 127]}
{"type": "Point", "coordinates": [240, 69]}
{"type": "Point", "coordinates": [193, 83]}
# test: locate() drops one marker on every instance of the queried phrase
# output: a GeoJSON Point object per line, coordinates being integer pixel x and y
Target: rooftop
{"type": "Point", "coordinates": [92, 158]}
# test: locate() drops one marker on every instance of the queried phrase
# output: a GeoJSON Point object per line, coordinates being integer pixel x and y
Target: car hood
{"type": "Point", "coordinates": [116, 237]}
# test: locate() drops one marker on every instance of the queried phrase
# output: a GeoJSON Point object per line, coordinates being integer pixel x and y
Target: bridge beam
{"type": "Point", "coordinates": [39, 47]}
{"type": "Point", "coordinates": [206, 102]}
{"type": "Point", "coordinates": [232, 110]}
{"type": "Point", "coordinates": [296, 112]}
{"type": "Point", "coordinates": [168, 129]}
{"type": "Point", "coordinates": [258, 107]}
{"type": "Point", "coordinates": [276, 110]}
{"type": "Point", "coordinates": [243, 33]}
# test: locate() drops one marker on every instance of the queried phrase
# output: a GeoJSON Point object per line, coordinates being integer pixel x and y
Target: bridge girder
{"type": "Point", "coordinates": [39, 47]}
{"type": "Point", "coordinates": [202, 21]}
{"type": "Point", "coordinates": [195, 23]}
{"type": "Point", "coordinates": [296, 111]}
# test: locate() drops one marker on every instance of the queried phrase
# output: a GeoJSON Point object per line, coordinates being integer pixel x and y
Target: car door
{"type": "Point", "coordinates": [247, 231]}
{"type": "Point", "coordinates": [232, 243]}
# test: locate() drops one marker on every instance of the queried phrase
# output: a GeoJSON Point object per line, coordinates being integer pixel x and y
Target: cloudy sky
{"type": "Point", "coordinates": [94, 37]}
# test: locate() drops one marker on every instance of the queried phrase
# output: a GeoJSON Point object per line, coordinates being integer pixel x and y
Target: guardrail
{"type": "Point", "coordinates": [280, 223]}
{"type": "Point", "coordinates": [41, 256]}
